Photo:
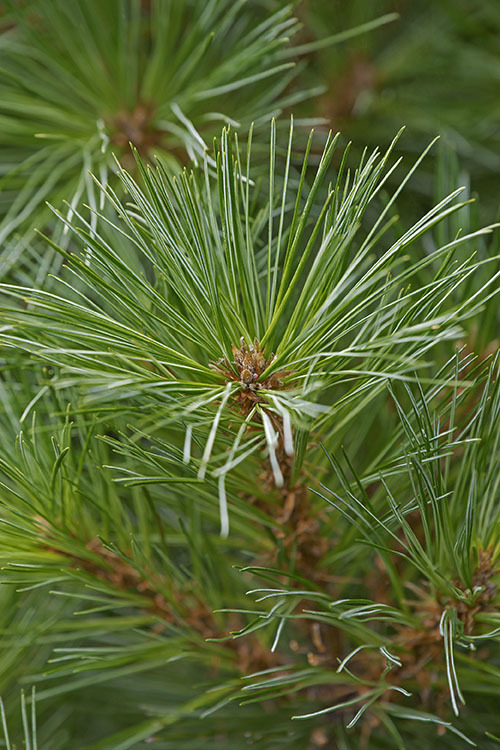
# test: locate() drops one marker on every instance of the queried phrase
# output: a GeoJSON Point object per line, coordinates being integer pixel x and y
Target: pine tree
{"type": "Point", "coordinates": [249, 457]}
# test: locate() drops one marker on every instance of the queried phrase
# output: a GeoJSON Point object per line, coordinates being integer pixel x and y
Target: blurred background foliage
{"type": "Point", "coordinates": [434, 69]}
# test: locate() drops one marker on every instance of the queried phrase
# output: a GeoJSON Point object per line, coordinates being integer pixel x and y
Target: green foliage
{"type": "Point", "coordinates": [80, 80]}
{"type": "Point", "coordinates": [433, 68]}
{"type": "Point", "coordinates": [327, 300]}
{"type": "Point", "coordinates": [431, 516]}
{"type": "Point", "coordinates": [250, 423]}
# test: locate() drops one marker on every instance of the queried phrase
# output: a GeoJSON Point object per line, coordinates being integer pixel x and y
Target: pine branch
{"type": "Point", "coordinates": [340, 317]}
{"type": "Point", "coordinates": [433, 540]}
{"type": "Point", "coordinates": [242, 382]}
{"type": "Point", "coordinates": [80, 81]}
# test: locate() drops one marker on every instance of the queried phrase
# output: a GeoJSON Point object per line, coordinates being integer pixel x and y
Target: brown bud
{"type": "Point", "coordinates": [246, 376]}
